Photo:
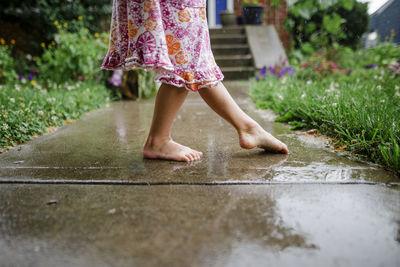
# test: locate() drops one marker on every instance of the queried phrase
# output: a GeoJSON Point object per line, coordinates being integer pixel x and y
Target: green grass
{"type": "Point", "coordinates": [28, 109]}
{"type": "Point", "coordinates": [362, 110]}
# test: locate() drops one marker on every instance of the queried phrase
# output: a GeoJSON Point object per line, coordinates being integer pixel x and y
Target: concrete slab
{"type": "Point", "coordinates": [190, 225]}
{"type": "Point", "coordinates": [265, 45]}
{"type": "Point", "coordinates": [104, 146]}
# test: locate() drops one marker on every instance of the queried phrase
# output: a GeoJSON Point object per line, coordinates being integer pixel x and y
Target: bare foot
{"type": "Point", "coordinates": [256, 136]}
{"type": "Point", "coordinates": [169, 150]}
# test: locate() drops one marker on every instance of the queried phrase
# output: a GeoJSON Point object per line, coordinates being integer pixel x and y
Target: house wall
{"type": "Point", "coordinates": [213, 9]}
{"type": "Point", "coordinates": [386, 21]}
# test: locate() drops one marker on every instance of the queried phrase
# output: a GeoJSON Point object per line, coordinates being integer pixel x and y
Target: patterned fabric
{"type": "Point", "coordinates": [169, 37]}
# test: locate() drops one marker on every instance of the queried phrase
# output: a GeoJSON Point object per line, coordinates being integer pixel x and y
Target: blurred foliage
{"type": "Point", "coordinates": [30, 22]}
{"type": "Point", "coordinates": [317, 23]}
{"type": "Point", "coordinates": [381, 55]}
{"type": "Point", "coordinates": [146, 86]}
{"type": "Point", "coordinates": [7, 72]}
{"type": "Point", "coordinates": [73, 55]}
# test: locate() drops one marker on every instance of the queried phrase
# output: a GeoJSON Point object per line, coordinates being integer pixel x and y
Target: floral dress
{"type": "Point", "coordinates": [169, 37]}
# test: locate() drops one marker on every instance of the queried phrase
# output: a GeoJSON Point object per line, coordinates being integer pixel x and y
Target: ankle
{"type": "Point", "coordinates": [248, 127]}
{"type": "Point", "coordinates": [157, 141]}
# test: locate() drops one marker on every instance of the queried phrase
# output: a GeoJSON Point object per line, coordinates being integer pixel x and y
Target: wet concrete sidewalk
{"type": "Point", "coordinates": [83, 196]}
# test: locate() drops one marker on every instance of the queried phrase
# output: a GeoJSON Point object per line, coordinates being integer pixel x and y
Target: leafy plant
{"type": "Point", "coordinates": [73, 56]}
{"type": "Point", "coordinates": [255, 3]}
{"type": "Point", "coordinates": [323, 23]}
{"type": "Point", "coordinates": [7, 72]}
{"type": "Point", "coordinates": [31, 21]}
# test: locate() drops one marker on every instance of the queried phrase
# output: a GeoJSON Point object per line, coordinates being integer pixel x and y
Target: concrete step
{"type": "Point", "coordinates": [230, 49]}
{"type": "Point", "coordinates": [238, 73]}
{"type": "Point", "coordinates": [227, 30]}
{"type": "Point", "coordinates": [234, 60]}
{"type": "Point", "coordinates": [228, 39]}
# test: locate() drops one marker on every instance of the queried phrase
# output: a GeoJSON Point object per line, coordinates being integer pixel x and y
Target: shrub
{"type": "Point", "coordinates": [7, 72]}
{"type": "Point", "coordinates": [31, 22]}
{"type": "Point", "coordinates": [322, 23]}
{"type": "Point", "coordinates": [73, 56]}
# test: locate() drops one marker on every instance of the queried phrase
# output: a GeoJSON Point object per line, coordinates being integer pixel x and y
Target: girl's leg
{"type": "Point", "coordinates": [251, 134]}
{"type": "Point", "coordinates": [159, 143]}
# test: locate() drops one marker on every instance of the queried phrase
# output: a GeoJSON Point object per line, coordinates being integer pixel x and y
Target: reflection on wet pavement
{"type": "Point", "coordinates": [282, 225]}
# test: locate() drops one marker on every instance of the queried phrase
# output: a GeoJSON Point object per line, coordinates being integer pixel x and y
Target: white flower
{"type": "Point", "coordinates": [53, 111]}
{"type": "Point", "coordinates": [12, 100]}
{"type": "Point", "coordinates": [379, 87]}
{"type": "Point", "coordinates": [309, 82]}
{"type": "Point", "coordinates": [334, 105]}
{"type": "Point", "coordinates": [54, 118]}
{"type": "Point", "coordinates": [23, 80]}
{"type": "Point", "coordinates": [5, 126]}
{"type": "Point", "coordinates": [323, 106]}
{"type": "Point", "coordinates": [28, 57]}
{"type": "Point", "coordinates": [397, 94]}
{"type": "Point", "coordinates": [22, 129]}
{"type": "Point", "coordinates": [303, 95]}
{"type": "Point", "coordinates": [382, 101]}
{"type": "Point", "coordinates": [280, 97]}
{"type": "Point", "coordinates": [17, 88]}
{"type": "Point", "coordinates": [396, 87]}
{"type": "Point", "coordinates": [22, 105]}
{"type": "Point", "coordinates": [41, 113]}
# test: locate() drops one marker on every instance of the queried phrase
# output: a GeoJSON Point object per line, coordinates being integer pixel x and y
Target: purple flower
{"type": "Point", "coordinates": [116, 78]}
{"type": "Point", "coordinates": [263, 72]}
{"type": "Point", "coordinates": [258, 77]}
{"type": "Point", "coordinates": [20, 77]}
{"type": "Point", "coordinates": [370, 66]}
{"type": "Point", "coordinates": [272, 70]}
{"type": "Point", "coordinates": [30, 77]}
{"type": "Point", "coordinates": [394, 65]}
{"type": "Point", "coordinates": [283, 71]}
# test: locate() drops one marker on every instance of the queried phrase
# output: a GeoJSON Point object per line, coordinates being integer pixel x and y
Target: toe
{"type": "Point", "coordinates": [194, 156]}
{"type": "Point", "coordinates": [190, 157]}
